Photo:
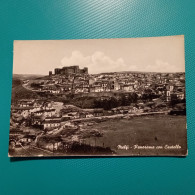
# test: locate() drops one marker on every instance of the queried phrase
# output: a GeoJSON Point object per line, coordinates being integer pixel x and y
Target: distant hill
{"type": "Point", "coordinates": [42, 78]}
{"type": "Point", "coordinates": [18, 91]}
{"type": "Point", "coordinates": [140, 72]}
{"type": "Point", "coordinates": [27, 76]}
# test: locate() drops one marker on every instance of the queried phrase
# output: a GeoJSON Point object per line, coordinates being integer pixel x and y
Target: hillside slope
{"type": "Point", "coordinates": [19, 92]}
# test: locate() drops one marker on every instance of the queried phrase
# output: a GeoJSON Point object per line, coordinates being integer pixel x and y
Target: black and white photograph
{"type": "Point", "coordinates": [98, 97]}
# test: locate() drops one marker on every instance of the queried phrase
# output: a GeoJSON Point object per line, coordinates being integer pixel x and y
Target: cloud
{"type": "Point", "coordinates": [98, 62]}
{"type": "Point", "coordinates": [160, 66]}
{"type": "Point", "coordinates": [76, 58]}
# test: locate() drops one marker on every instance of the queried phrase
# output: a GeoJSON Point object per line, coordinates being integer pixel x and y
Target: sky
{"type": "Point", "coordinates": [155, 54]}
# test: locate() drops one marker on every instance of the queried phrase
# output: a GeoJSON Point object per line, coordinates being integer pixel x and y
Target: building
{"type": "Point", "coordinates": [37, 121]}
{"type": "Point", "coordinates": [51, 124]}
{"type": "Point", "coordinates": [48, 113]}
{"type": "Point", "coordinates": [67, 70]}
{"type": "Point", "coordinates": [116, 86]}
{"type": "Point", "coordinates": [25, 103]}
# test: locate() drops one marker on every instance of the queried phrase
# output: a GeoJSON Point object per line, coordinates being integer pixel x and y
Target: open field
{"type": "Point", "coordinates": [154, 131]}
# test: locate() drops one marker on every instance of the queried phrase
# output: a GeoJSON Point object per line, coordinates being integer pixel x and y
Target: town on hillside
{"type": "Point", "coordinates": [62, 109]}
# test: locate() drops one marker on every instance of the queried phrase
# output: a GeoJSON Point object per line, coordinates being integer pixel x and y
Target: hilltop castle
{"type": "Point", "coordinates": [66, 70]}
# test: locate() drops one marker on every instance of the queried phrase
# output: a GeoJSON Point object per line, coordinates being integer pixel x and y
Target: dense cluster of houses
{"type": "Point", "coordinates": [163, 84]}
{"type": "Point", "coordinates": [38, 112]}
{"type": "Point", "coordinates": [42, 114]}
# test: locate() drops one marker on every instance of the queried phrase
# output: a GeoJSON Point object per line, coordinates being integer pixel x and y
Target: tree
{"type": "Point", "coordinates": [124, 100]}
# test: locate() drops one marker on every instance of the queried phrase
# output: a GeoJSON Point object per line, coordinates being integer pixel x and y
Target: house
{"type": "Point", "coordinates": [65, 118]}
{"type": "Point", "coordinates": [73, 115]}
{"type": "Point", "coordinates": [178, 95]}
{"type": "Point", "coordinates": [91, 89]}
{"type": "Point", "coordinates": [25, 103]}
{"type": "Point", "coordinates": [115, 111]}
{"type": "Point", "coordinates": [46, 113]}
{"type": "Point", "coordinates": [82, 89]}
{"type": "Point", "coordinates": [52, 118]}
{"type": "Point", "coordinates": [70, 125]}
{"type": "Point", "coordinates": [38, 113]}
{"type": "Point", "coordinates": [36, 121]}
{"type": "Point", "coordinates": [50, 112]}
{"type": "Point", "coordinates": [27, 139]}
{"type": "Point", "coordinates": [116, 86]}
{"type": "Point", "coordinates": [52, 146]}
{"type": "Point", "coordinates": [106, 85]}
{"type": "Point", "coordinates": [21, 109]}
{"type": "Point", "coordinates": [55, 91]}
{"type": "Point", "coordinates": [49, 124]}
{"type": "Point", "coordinates": [82, 115]}
{"type": "Point", "coordinates": [169, 87]}
{"type": "Point", "coordinates": [98, 112]}
{"type": "Point", "coordinates": [89, 115]}
{"type": "Point", "coordinates": [147, 109]}
{"type": "Point", "coordinates": [25, 113]}
{"type": "Point", "coordinates": [132, 109]}
{"type": "Point", "coordinates": [98, 88]}
{"type": "Point", "coordinates": [127, 88]}
{"type": "Point", "coordinates": [167, 95]}
{"type": "Point", "coordinates": [46, 106]}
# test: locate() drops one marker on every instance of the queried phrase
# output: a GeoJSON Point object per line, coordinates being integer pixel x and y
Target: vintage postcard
{"type": "Point", "coordinates": [99, 97]}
